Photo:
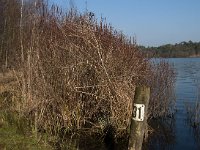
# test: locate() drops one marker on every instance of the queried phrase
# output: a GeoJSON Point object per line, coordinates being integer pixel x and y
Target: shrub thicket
{"type": "Point", "coordinates": [76, 72]}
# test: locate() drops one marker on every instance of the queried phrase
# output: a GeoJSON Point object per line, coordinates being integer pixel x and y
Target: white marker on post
{"type": "Point", "coordinates": [138, 112]}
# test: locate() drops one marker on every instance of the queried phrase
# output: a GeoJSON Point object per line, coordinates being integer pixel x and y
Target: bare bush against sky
{"type": "Point", "coordinates": [152, 22]}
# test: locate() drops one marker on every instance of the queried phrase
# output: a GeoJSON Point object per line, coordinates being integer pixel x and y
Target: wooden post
{"type": "Point", "coordinates": [139, 117]}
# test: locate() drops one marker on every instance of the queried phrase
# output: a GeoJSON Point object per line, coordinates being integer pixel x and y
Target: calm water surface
{"type": "Point", "coordinates": [187, 81]}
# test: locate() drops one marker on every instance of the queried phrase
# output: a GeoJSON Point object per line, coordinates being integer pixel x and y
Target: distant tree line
{"type": "Point", "coordinates": [182, 49]}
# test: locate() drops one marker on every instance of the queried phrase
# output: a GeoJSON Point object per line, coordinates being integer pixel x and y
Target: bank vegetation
{"type": "Point", "coordinates": [74, 74]}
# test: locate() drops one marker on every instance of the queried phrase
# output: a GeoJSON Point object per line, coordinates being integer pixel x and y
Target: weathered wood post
{"type": "Point", "coordinates": [139, 117]}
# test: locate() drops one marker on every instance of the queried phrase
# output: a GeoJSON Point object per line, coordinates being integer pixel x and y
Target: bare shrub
{"type": "Point", "coordinates": [78, 73]}
{"type": "Point", "coordinates": [162, 99]}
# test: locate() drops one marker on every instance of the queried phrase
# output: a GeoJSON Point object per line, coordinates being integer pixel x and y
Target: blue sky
{"type": "Point", "coordinates": [151, 22]}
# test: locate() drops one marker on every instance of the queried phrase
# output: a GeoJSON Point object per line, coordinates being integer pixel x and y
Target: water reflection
{"type": "Point", "coordinates": [163, 136]}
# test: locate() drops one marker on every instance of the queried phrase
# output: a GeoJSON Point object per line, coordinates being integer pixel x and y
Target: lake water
{"type": "Point", "coordinates": [187, 83]}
